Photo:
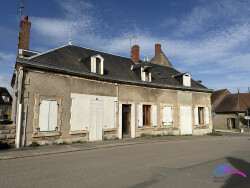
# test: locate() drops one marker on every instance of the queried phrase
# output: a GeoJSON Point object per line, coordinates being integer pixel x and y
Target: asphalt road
{"type": "Point", "coordinates": [164, 164]}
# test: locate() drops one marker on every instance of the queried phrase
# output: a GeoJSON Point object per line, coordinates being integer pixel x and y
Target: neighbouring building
{"type": "Point", "coordinates": [229, 110]}
{"type": "Point", "coordinates": [74, 93]}
{"type": "Point", "coordinates": [5, 103]}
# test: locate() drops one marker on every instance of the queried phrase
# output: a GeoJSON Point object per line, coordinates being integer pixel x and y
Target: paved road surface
{"type": "Point", "coordinates": [164, 164]}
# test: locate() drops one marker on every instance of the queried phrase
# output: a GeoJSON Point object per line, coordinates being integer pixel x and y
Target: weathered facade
{"type": "Point", "coordinates": [229, 113]}
{"type": "Point", "coordinates": [73, 93]}
{"type": "Point", "coordinates": [5, 104]}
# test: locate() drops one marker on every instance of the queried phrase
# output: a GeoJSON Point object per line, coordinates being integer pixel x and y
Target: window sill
{"type": "Point", "coordinates": [47, 134]}
{"type": "Point", "coordinates": [78, 132]}
{"type": "Point", "coordinates": [109, 129]}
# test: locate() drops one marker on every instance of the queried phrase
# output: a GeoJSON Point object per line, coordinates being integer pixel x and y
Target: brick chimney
{"type": "Point", "coordinates": [157, 49]}
{"type": "Point", "coordinates": [24, 35]}
{"type": "Point", "coordinates": [135, 55]}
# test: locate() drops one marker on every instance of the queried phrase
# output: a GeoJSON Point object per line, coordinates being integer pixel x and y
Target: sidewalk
{"type": "Point", "coordinates": [55, 149]}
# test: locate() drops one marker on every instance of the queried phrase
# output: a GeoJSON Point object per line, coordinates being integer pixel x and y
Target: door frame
{"type": "Point", "coordinates": [132, 118]}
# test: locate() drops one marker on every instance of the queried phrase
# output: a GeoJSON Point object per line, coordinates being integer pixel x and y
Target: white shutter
{"type": "Point", "coordinates": [53, 111]}
{"type": "Point", "coordinates": [196, 117]}
{"type": "Point", "coordinates": [139, 115]}
{"type": "Point", "coordinates": [109, 114]}
{"type": "Point", "coordinates": [120, 121]}
{"type": "Point", "coordinates": [44, 115]}
{"type": "Point", "coordinates": [132, 121]}
{"type": "Point", "coordinates": [80, 115]}
{"type": "Point", "coordinates": [167, 115]}
{"type": "Point", "coordinates": [207, 115]}
{"type": "Point", "coordinates": [143, 75]}
{"type": "Point", "coordinates": [154, 115]}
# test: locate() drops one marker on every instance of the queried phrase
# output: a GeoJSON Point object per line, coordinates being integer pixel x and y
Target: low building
{"type": "Point", "coordinates": [5, 103]}
{"type": "Point", "coordinates": [229, 113]}
{"type": "Point", "coordinates": [74, 93]}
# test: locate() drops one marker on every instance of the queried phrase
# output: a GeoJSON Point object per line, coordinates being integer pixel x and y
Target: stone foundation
{"type": "Point", "coordinates": [8, 134]}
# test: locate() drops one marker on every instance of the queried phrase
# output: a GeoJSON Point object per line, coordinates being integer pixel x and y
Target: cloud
{"type": "Point", "coordinates": [168, 22]}
{"type": "Point", "coordinates": [7, 59]}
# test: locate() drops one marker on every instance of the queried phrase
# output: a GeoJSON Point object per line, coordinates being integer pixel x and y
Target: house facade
{"type": "Point", "coordinates": [229, 113]}
{"type": "Point", "coordinates": [74, 93]}
{"type": "Point", "coordinates": [5, 103]}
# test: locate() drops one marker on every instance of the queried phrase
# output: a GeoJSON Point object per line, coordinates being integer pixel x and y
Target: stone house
{"type": "Point", "coordinates": [5, 103]}
{"type": "Point", "coordinates": [74, 93]}
{"type": "Point", "coordinates": [229, 112]}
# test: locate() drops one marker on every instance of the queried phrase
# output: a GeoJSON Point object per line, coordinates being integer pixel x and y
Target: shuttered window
{"type": "Point", "coordinates": [48, 115]}
{"type": "Point", "coordinates": [167, 115]}
{"type": "Point", "coordinates": [154, 115]}
{"type": "Point", "coordinates": [201, 115]}
{"type": "Point", "coordinates": [207, 115]}
{"type": "Point", "coordinates": [139, 115]}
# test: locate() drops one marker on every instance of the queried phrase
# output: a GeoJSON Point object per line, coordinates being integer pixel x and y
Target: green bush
{"type": "Point", "coordinates": [34, 144]}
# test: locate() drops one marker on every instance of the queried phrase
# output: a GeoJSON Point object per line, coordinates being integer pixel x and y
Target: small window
{"type": "Point", "coordinates": [98, 66]}
{"type": "Point", "coordinates": [146, 115]}
{"type": "Point", "coordinates": [201, 115]}
{"type": "Point", "coordinates": [147, 77]}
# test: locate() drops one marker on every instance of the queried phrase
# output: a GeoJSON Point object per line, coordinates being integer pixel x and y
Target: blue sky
{"type": "Point", "coordinates": [208, 38]}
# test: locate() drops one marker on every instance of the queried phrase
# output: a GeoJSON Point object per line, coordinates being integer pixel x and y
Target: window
{"type": "Point", "coordinates": [147, 77]}
{"type": "Point", "coordinates": [146, 115]}
{"type": "Point", "coordinates": [97, 63]}
{"type": "Point", "coordinates": [167, 115]}
{"type": "Point", "coordinates": [98, 66]}
{"type": "Point", "coordinates": [201, 115]}
{"type": "Point", "coordinates": [48, 111]}
{"type": "Point", "coordinates": [146, 74]}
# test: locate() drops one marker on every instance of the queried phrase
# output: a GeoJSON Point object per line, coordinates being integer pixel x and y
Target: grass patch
{"type": "Point", "coordinates": [213, 134]}
{"type": "Point", "coordinates": [143, 135]}
{"type": "Point", "coordinates": [78, 142]}
{"type": "Point", "coordinates": [34, 145]}
{"type": "Point", "coordinates": [61, 143]}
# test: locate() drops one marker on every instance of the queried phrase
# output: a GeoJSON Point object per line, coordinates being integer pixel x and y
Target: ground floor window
{"type": "Point", "coordinates": [48, 111]}
{"type": "Point", "coordinates": [201, 115]}
{"type": "Point", "coordinates": [146, 115]}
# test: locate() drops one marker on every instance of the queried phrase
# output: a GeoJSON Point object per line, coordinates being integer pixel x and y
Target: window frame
{"type": "Point", "coordinates": [100, 63]}
{"type": "Point", "coordinates": [201, 109]}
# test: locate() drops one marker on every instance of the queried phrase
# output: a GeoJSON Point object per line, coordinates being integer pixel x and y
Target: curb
{"type": "Point", "coordinates": [101, 147]}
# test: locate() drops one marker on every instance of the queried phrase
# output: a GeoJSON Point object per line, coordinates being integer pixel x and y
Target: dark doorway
{"type": "Point", "coordinates": [126, 119]}
{"type": "Point", "coordinates": [233, 124]}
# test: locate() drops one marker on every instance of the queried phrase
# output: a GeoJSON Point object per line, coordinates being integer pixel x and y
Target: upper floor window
{"type": "Point", "coordinates": [146, 73]}
{"type": "Point", "coordinates": [97, 64]}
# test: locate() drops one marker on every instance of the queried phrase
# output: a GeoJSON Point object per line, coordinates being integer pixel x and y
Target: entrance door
{"type": "Point", "coordinates": [233, 124]}
{"type": "Point", "coordinates": [186, 121]}
{"type": "Point", "coordinates": [96, 120]}
{"type": "Point", "coordinates": [126, 119]}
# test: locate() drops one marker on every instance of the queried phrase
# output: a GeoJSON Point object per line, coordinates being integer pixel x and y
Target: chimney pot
{"type": "Point", "coordinates": [24, 35]}
{"type": "Point", "coordinates": [26, 17]}
{"type": "Point", "coordinates": [157, 49]}
{"type": "Point", "coordinates": [135, 53]}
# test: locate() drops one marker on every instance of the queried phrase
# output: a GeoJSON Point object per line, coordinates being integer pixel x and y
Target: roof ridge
{"type": "Point", "coordinates": [48, 51]}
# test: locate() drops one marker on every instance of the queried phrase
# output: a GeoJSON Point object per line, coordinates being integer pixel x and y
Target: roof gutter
{"type": "Point", "coordinates": [108, 78]}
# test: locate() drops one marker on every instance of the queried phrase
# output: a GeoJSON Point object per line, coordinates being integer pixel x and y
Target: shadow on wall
{"type": "Point", "coordinates": [237, 180]}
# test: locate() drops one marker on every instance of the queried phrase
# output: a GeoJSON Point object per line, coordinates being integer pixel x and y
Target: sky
{"type": "Point", "coordinates": [210, 39]}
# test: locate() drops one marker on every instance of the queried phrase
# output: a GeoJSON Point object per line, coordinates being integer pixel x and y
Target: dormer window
{"type": "Point", "coordinates": [184, 79]}
{"type": "Point", "coordinates": [187, 80]}
{"type": "Point", "coordinates": [146, 73]}
{"type": "Point", "coordinates": [97, 64]}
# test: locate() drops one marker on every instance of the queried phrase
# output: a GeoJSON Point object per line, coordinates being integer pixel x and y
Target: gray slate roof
{"type": "Point", "coordinates": [78, 58]}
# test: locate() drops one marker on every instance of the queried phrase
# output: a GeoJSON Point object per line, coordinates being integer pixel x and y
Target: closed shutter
{"type": "Point", "coordinates": [120, 121]}
{"type": "Point", "coordinates": [207, 115]}
{"type": "Point", "coordinates": [143, 76]}
{"type": "Point", "coordinates": [109, 114]}
{"type": "Point", "coordinates": [196, 117]}
{"type": "Point", "coordinates": [80, 114]}
{"type": "Point", "coordinates": [44, 115]}
{"type": "Point", "coordinates": [53, 111]}
{"type": "Point", "coordinates": [139, 115]}
{"type": "Point", "coordinates": [154, 116]}
{"type": "Point", "coordinates": [167, 115]}
{"type": "Point", "coordinates": [132, 121]}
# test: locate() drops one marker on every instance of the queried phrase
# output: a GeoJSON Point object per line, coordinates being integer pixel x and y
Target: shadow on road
{"type": "Point", "coordinates": [237, 180]}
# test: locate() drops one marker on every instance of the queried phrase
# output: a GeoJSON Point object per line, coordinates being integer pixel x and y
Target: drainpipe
{"type": "Point", "coordinates": [19, 102]}
{"type": "Point", "coordinates": [15, 97]}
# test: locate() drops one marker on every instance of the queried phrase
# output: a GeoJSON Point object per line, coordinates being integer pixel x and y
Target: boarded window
{"type": "Point", "coordinates": [146, 115]}
{"type": "Point", "coordinates": [167, 115]}
{"type": "Point", "coordinates": [48, 115]}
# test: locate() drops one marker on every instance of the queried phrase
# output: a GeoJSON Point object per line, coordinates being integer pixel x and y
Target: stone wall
{"type": "Point", "coordinates": [8, 134]}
